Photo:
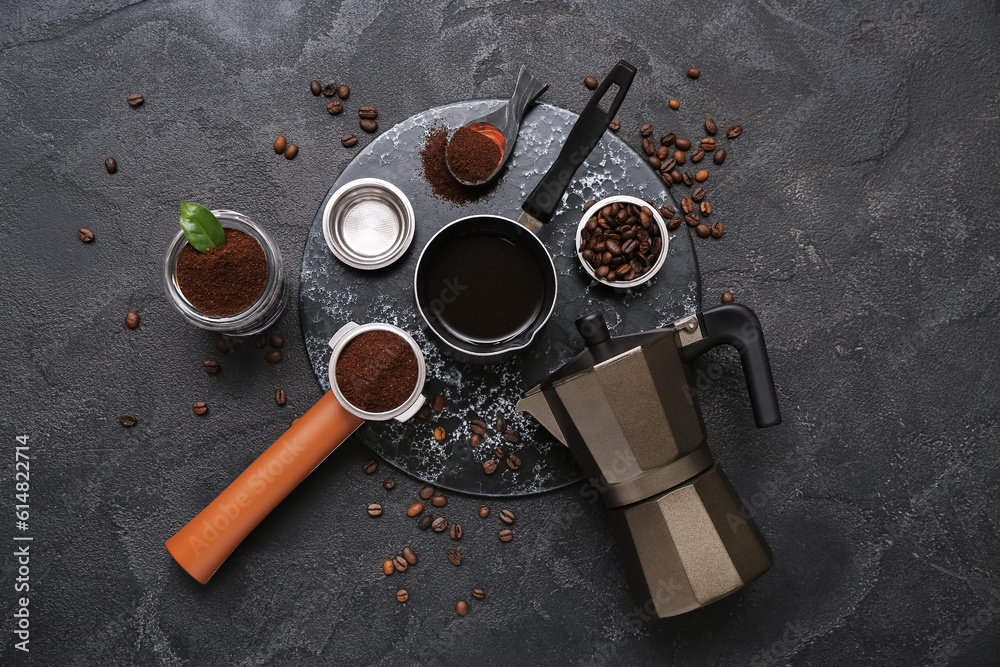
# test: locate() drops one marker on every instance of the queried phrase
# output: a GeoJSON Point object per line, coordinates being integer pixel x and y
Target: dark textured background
{"type": "Point", "coordinates": [860, 203]}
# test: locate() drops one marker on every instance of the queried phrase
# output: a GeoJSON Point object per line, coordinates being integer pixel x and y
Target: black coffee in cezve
{"type": "Point", "coordinates": [484, 288]}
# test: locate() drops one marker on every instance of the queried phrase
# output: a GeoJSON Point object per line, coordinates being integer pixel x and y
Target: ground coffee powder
{"type": "Point", "coordinates": [443, 184]}
{"type": "Point", "coordinates": [226, 280]}
{"type": "Point", "coordinates": [377, 371]}
{"type": "Point", "coordinates": [472, 155]}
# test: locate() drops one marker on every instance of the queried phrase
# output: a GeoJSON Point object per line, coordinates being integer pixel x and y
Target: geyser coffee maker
{"type": "Point", "coordinates": [626, 408]}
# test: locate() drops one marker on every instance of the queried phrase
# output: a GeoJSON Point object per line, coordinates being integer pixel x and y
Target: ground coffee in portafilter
{"type": "Point", "coordinates": [472, 155]}
{"type": "Point", "coordinates": [377, 371]}
{"type": "Point", "coordinates": [226, 280]}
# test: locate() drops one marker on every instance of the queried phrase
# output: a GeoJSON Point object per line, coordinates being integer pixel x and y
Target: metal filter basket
{"type": "Point", "coordinates": [368, 223]}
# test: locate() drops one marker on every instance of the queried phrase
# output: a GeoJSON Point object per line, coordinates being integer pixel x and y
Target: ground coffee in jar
{"type": "Point", "coordinates": [377, 371]}
{"type": "Point", "coordinates": [225, 280]}
{"type": "Point", "coordinates": [472, 155]}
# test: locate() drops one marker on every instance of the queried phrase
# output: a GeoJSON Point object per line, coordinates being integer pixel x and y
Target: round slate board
{"type": "Point", "coordinates": [332, 293]}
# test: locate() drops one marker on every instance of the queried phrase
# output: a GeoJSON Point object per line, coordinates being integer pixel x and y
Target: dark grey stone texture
{"type": "Point", "coordinates": [860, 207]}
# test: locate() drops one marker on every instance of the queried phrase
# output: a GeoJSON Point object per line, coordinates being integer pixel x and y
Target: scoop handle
{"type": "Point", "coordinates": [206, 541]}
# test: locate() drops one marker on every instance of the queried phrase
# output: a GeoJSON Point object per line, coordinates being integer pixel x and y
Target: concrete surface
{"type": "Point", "coordinates": [860, 204]}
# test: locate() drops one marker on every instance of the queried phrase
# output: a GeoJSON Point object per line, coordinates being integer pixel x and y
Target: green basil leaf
{"type": "Point", "coordinates": [202, 229]}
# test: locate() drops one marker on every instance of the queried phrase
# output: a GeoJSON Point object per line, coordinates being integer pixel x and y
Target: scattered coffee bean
{"type": "Point", "coordinates": [507, 516]}
{"type": "Point", "coordinates": [400, 563]}
{"type": "Point", "coordinates": [294, 419]}
{"type": "Point", "coordinates": [703, 230]}
{"type": "Point", "coordinates": [330, 89]}
{"type": "Point", "coordinates": [439, 433]}
{"type": "Point", "coordinates": [648, 147]}
{"type": "Point", "coordinates": [674, 223]}
{"type": "Point", "coordinates": [710, 126]}
{"type": "Point", "coordinates": [720, 156]}
{"type": "Point", "coordinates": [687, 179]}
{"type": "Point", "coordinates": [706, 208]}
{"type": "Point", "coordinates": [679, 157]}
{"type": "Point", "coordinates": [615, 125]}
{"type": "Point", "coordinates": [279, 397]}
{"type": "Point", "coordinates": [410, 555]}
{"type": "Point", "coordinates": [211, 367]}
{"type": "Point", "coordinates": [698, 193]}
{"type": "Point", "coordinates": [653, 161]}
{"type": "Point", "coordinates": [701, 176]}
{"type": "Point", "coordinates": [475, 439]}
{"type": "Point", "coordinates": [343, 91]}
{"type": "Point", "coordinates": [500, 453]}
{"type": "Point", "coordinates": [646, 130]}
{"type": "Point", "coordinates": [414, 509]}
{"type": "Point", "coordinates": [369, 113]}
{"type": "Point", "coordinates": [438, 403]}
{"type": "Point", "coordinates": [687, 204]}
{"type": "Point", "coordinates": [591, 82]}
{"type": "Point", "coordinates": [454, 556]}
{"type": "Point", "coordinates": [718, 229]}
{"type": "Point", "coordinates": [674, 104]}
{"type": "Point", "coordinates": [668, 139]}
{"type": "Point", "coordinates": [348, 140]}
{"type": "Point", "coordinates": [368, 125]}
{"type": "Point", "coordinates": [127, 419]}
{"type": "Point", "coordinates": [335, 107]}
{"type": "Point", "coordinates": [461, 607]}
{"type": "Point", "coordinates": [424, 412]}
{"type": "Point", "coordinates": [514, 461]}
{"type": "Point", "coordinates": [425, 492]}
{"type": "Point", "coordinates": [455, 531]}
{"type": "Point", "coordinates": [484, 511]}
{"type": "Point", "coordinates": [291, 151]}
{"type": "Point", "coordinates": [682, 143]}
{"type": "Point", "coordinates": [439, 500]}
{"type": "Point", "coordinates": [402, 596]}
{"type": "Point", "coordinates": [489, 466]}
{"type": "Point", "coordinates": [694, 73]}
{"type": "Point", "coordinates": [675, 176]}
{"type": "Point", "coordinates": [222, 344]}
{"type": "Point", "coordinates": [388, 484]}
{"type": "Point", "coordinates": [506, 535]}
{"type": "Point", "coordinates": [279, 145]}
{"type": "Point", "coordinates": [425, 522]}
{"type": "Point", "coordinates": [199, 407]}
{"type": "Point", "coordinates": [315, 87]}
{"type": "Point", "coordinates": [707, 144]}
{"type": "Point", "coordinates": [734, 131]}
{"type": "Point", "coordinates": [375, 509]}
{"type": "Point", "coordinates": [511, 435]}
{"type": "Point", "coordinates": [669, 164]}
{"type": "Point", "coordinates": [277, 342]}
{"type": "Point", "coordinates": [388, 567]}
{"type": "Point", "coordinates": [692, 219]}
{"type": "Point", "coordinates": [135, 100]}
{"type": "Point", "coordinates": [478, 426]}
{"type": "Point", "coordinates": [273, 357]}
{"type": "Point", "coordinates": [111, 165]}
{"type": "Point", "coordinates": [132, 320]}
{"type": "Point", "coordinates": [259, 341]}
{"type": "Point", "coordinates": [370, 466]}
{"type": "Point", "coordinates": [664, 154]}
{"type": "Point", "coordinates": [85, 235]}
{"type": "Point", "coordinates": [697, 155]}
{"type": "Point", "coordinates": [727, 297]}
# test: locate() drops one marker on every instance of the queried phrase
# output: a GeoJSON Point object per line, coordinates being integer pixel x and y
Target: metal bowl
{"type": "Point", "coordinates": [368, 223]}
{"type": "Point", "coordinates": [624, 199]}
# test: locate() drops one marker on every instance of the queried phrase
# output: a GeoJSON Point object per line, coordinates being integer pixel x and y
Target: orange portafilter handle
{"type": "Point", "coordinates": [207, 540]}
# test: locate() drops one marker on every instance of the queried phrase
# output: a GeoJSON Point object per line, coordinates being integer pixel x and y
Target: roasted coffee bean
{"type": "Point", "coordinates": [591, 82]}
{"type": "Point", "coordinates": [653, 161]}
{"type": "Point", "coordinates": [439, 524]}
{"type": "Point", "coordinates": [199, 407]}
{"type": "Point", "coordinates": [694, 73]}
{"type": "Point", "coordinates": [461, 607]}
{"type": "Point", "coordinates": [706, 208]}
{"type": "Point", "coordinates": [501, 425]}
{"type": "Point", "coordinates": [127, 419]}
{"type": "Point", "coordinates": [479, 593]}
{"type": "Point", "coordinates": [335, 107]}
{"type": "Point", "coordinates": [489, 466]}
{"type": "Point", "coordinates": [615, 125]}
{"type": "Point", "coordinates": [439, 500]}
{"type": "Point", "coordinates": [454, 556]}
{"type": "Point", "coordinates": [343, 91]}
{"type": "Point", "coordinates": [279, 145]}
{"type": "Point", "coordinates": [701, 176]}
{"type": "Point", "coordinates": [439, 433]}
{"type": "Point", "coordinates": [85, 235]}
{"type": "Point", "coordinates": [273, 357]}
{"type": "Point", "coordinates": [675, 176]}
{"type": "Point", "coordinates": [697, 155]}
{"type": "Point", "coordinates": [734, 131]}
{"type": "Point", "coordinates": [727, 297]}
{"type": "Point", "coordinates": [710, 126]}
{"type": "Point", "coordinates": [703, 230]}
{"type": "Point", "coordinates": [414, 509]}
{"type": "Point", "coordinates": [259, 341]}
{"type": "Point", "coordinates": [388, 567]}
{"type": "Point", "coordinates": [687, 179]}
{"type": "Point", "coordinates": [698, 193]}
{"type": "Point", "coordinates": [669, 164]}
{"type": "Point", "coordinates": [279, 397]}
{"type": "Point", "coordinates": [277, 342]}
{"type": "Point", "coordinates": [674, 223]}
{"type": "Point", "coordinates": [646, 130]}
{"type": "Point", "coordinates": [475, 440]}
{"type": "Point", "coordinates": [513, 462]}
{"type": "Point", "coordinates": [668, 139]}
{"type": "Point", "coordinates": [135, 100]}
{"type": "Point", "coordinates": [375, 509]}
{"type": "Point", "coordinates": [211, 367]}
{"type": "Point", "coordinates": [111, 165]}
{"type": "Point", "coordinates": [222, 344]}
{"type": "Point", "coordinates": [506, 535]}
{"type": "Point", "coordinates": [425, 492]}
{"type": "Point", "coordinates": [628, 247]}
{"type": "Point", "coordinates": [708, 144]}
{"type": "Point", "coordinates": [294, 419]}
{"type": "Point", "coordinates": [663, 153]}
{"type": "Point", "coordinates": [478, 426]}
{"type": "Point", "coordinates": [368, 112]}
{"type": "Point", "coordinates": [687, 205]}
{"type": "Point", "coordinates": [484, 511]}
{"type": "Point", "coordinates": [425, 522]}
{"type": "Point", "coordinates": [368, 125]}
{"type": "Point", "coordinates": [507, 516]}
{"type": "Point", "coordinates": [291, 151]}
{"type": "Point", "coordinates": [674, 104]}
{"type": "Point", "coordinates": [370, 466]}
{"type": "Point", "coordinates": [402, 596]}
{"type": "Point", "coordinates": [132, 319]}
{"type": "Point", "coordinates": [683, 143]}
{"type": "Point", "coordinates": [348, 140]}
{"type": "Point", "coordinates": [330, 89]}
{"type": "Point", "coordinates": [400, 563]}
{"type": "Point", "coordinates": [424, 412]}
{"type": "Point", "coordinates": [388, 484]}
{"type": "Point", "coordinates": [648, 147]}
{"type": "Point", "coordinates": [511, 435]}
{"type": "Point", "coordinates": [315, 87]}
{"type": "Point", "coordinates": [679, 157]}
{"type": "Point", "coordinates": [587, 204]}
{"type": "Point", "coordinates": [718, 229]}
{"type": "Point", "coordinates": [692, 219]}
{"type": "Point", "coordinates": [455, 531]}
{"type": "Point", "coordinates": [720, 156]}
{"type": "Point", "coordinates": [437, 405]}
{"type": "Point", "coordinates": [614, 249]}
{"type": "Point", "coordinates": [410, 555]}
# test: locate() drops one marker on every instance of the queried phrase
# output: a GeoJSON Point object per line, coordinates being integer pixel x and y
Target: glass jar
{"type": "Point", "coordinates": [254, 319]}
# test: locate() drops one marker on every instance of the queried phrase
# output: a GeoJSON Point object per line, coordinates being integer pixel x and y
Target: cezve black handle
{"type": "Point", "coordinates": [738, 326]}
{"type": "Point", "coordinates": [586, 133]}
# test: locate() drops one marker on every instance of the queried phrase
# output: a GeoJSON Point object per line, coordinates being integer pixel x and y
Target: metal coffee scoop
{"type": "Point", "coordinates": [501, 126]}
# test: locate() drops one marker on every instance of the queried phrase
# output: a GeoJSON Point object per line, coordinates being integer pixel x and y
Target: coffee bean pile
{"type": "Point", "coordinates": [503, 429]}
{"type": "Point", "coordinates": [367, 115]}
{"type": "Point", "coordinates": [621, 241]}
